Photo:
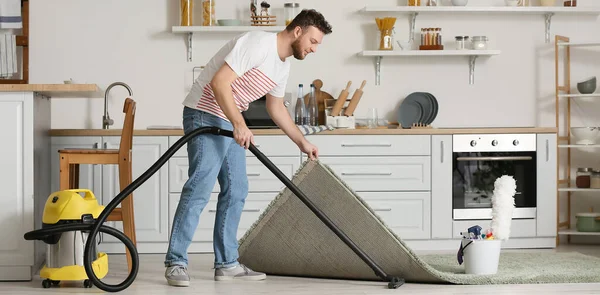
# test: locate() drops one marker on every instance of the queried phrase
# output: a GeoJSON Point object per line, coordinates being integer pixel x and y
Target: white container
{"type": "Point", "coordinates": [341, 122]}
{"type": "Point", "coordinates": [481, 257]}
{"type": "Point", "coordinates": [479, 42]}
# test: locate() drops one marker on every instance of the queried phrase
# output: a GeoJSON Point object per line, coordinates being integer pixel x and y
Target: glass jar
{"type": "Point", "coordinates": [208, 13]}
{"type": "Point", "coordinates": [186, 8]}
{"type": "Point", "coordinates": [414, 2]}
{"type": "Point", "coordinates": [583, 177]}
{"type": "Point", "coordinates": [595, 179]}
{"type": "Point", "coordinates": [461, 42]}
{"type": "Point", "coordinates": [386, 39]}
{"type": "Point", "coordinates": [479, 42]}
{"type": "Point", "coordinates": [290, 11]}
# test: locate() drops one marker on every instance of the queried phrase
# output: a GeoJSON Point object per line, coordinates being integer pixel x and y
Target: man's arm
{"type": "Point", "coordinates": [279, 113]}
{"type": "Point", "coordinates": [221, 86]}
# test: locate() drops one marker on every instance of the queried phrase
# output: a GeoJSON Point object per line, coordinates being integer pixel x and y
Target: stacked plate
{"type": "Point", "coordinates": [417, 108]}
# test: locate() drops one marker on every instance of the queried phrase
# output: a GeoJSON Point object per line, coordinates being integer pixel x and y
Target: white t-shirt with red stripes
{"type": "Point", "coordinates": [254, 58]}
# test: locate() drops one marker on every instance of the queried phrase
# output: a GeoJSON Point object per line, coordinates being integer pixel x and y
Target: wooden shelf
{"type": "Point", "coordinates": [472, 54]}
{"type": "Point", "coordinates": [576, 189]}
{"type": "Point", "coordinates": [579, 44]}
{"type": "Point", "coordinates": [578, 233]}
{"type": "Point", "coordinates": [579, 145]}
{"type": "Point", "coordinates": [547, 12]}
{"type": "Point", "coordinates": [190, 30]}
{"type": "Point", "coordinates": [580, 95]}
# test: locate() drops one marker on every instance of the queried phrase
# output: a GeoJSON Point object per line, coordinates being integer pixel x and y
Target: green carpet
{"type": "Point", "coordinates": [288, 239]}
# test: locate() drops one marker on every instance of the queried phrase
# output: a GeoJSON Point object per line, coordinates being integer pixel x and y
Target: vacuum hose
{"type": "Point", "coordinates": [95, 228]}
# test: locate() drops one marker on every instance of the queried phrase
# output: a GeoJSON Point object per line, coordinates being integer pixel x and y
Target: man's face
{"type": "Point", "coordinates": [306, 41]}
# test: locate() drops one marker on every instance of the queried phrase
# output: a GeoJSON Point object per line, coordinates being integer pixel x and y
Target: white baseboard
{"type": "Point", "coordinates": [15, 273]}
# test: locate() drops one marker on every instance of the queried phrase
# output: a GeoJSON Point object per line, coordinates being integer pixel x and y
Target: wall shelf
{"type": "Point", "coordinates": [471, 54]}
{"type": "Point", "coordinates": [547, 12]}
{"type": "Point", "coordinates": [190, 30]}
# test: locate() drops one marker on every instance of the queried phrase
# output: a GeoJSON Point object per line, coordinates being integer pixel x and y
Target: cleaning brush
{"type": "Point", "coordinates": [503, 205]}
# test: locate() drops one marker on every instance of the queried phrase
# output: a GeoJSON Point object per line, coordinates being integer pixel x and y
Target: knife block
{"type": "Point", "coordinates": [346, 122]}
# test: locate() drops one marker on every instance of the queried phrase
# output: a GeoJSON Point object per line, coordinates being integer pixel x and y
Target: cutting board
{"type": "Point", "coordinates": [321, 97]}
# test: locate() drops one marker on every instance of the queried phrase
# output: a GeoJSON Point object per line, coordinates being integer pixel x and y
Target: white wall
{"type": "Point", "coordinates": [131, 41]}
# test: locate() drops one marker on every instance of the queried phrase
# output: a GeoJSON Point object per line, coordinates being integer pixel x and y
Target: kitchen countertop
{"type": "Point", "coordinates": [378, 131]}
{"type": "Point", "coordinates": [56, 90]}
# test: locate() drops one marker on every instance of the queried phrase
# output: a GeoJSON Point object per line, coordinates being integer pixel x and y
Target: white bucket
{"type": "Point", "coordinates": [481, 257]}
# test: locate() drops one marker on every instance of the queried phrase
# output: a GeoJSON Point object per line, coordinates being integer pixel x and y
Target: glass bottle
{"type": "Point", "coordinates": [300, 111]}
{"type": "Point", "coordinates": [186, 8]}
{"type": "Point", "coordinates": [313, 110]}
{"type": "Point", "coordinates": [208, 13]}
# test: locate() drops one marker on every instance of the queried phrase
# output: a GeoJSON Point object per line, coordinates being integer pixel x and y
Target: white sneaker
{"type": "Point", "coordinates": [239, 272]}
{"type": "Point", "coordinates": [177, 275]}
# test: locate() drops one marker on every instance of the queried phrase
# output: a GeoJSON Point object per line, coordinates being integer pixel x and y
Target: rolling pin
{"type": "Point", "coordinates": [355, 99]}
{"type": "Point", "coordinates": [339, 103]}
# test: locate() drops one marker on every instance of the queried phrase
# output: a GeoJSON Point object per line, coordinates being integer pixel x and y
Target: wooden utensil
{"type": "Point", "coordinates": [339, 103]}
{"type": "Point", "coordinates": [321, 96]}
{"type": "Point", "coordinates": [355, 99]}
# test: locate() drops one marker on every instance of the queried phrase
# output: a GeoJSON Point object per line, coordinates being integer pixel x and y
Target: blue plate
{"type": "Point", "coordinates": [409, 113]}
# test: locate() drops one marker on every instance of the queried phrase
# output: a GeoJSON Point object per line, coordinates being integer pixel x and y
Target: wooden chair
{"type": "Point", "coordinates": [70, 159]}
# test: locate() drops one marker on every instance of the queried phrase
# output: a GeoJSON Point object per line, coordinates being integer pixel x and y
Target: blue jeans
{"type": "Point", "coordinates": [211, 158]}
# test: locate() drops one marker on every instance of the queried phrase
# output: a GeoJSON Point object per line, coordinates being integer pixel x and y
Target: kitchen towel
{"type": "Point", "coordinates": [8, 55]}
{"type": "Point", "coordinates": [10, 14]}
{"type": "Point", "coordinates": [307, 129]}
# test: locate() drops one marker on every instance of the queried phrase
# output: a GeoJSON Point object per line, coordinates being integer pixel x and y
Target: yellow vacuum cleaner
{"type": "Point", "coordinates": [65, 251]}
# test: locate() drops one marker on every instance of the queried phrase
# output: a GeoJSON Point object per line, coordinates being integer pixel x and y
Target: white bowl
{"type": "Point", "coordinates": [511, 2]}
{"type": "Point", "coordinates": [460, 2]}
{"type": "Point", "coordinates": [585, 135]}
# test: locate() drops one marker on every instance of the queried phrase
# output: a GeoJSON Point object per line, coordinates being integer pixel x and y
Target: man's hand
{"type": "Point", "coordinates": [310, 149]}
{"type": "Point", "coordinates": [243, 136]}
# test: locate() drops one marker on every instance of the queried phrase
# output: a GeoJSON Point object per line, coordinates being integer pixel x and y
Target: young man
{"type": "Point", "coordinates": [247, 68]}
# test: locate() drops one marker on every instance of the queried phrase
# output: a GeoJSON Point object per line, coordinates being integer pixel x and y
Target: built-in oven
{"type": "Point", "coordinates": [480, 159]}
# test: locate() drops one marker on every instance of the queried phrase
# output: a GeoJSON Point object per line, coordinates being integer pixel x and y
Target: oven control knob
{"type": "Point", "coordinates": [473, 143]}
{"type": "Point", "coordinates": [494, 142]}
{"type": "Point", "coordinates": [515, 142]}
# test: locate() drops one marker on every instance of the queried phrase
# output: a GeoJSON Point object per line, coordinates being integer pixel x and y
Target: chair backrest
{"type": "Point", "coordinates": [127, 133]}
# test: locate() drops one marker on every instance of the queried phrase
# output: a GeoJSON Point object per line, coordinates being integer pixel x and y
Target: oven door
{"type": "Point", "coordinates": [474, 175]}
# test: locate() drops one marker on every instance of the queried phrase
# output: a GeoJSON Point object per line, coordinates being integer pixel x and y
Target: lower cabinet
{"type": "Point", "coordinates": [406, 180]}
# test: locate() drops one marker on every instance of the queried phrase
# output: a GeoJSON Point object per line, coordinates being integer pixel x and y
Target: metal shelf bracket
{"type": "Point", "coordinates": [548, 23]}
{"type": "Point", "coordinates": [413, 21]}
{"type": "Point", "coordinates": [472, 69]}
{"type": "Point", "coordinates": [189, 49]}
{"type": "Point", "coordinates": [378, 70]}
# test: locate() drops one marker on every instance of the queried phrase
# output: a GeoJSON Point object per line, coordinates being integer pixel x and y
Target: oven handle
{"type": "Point", "coordinates": [523, 158]}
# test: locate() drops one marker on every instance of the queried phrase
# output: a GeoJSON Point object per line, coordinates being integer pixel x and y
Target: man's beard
{"type": "Point", "coordinates": [297, 50]}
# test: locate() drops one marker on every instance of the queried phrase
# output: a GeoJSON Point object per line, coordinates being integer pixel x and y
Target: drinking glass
{"type": "Point", "coordinates": [372, 118]}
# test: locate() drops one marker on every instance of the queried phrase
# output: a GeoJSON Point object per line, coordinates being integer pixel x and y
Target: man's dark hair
{"type": "Point", "coordinates": [310, 17]}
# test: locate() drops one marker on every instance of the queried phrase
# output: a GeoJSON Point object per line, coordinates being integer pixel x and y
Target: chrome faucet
{"type": "Point", "coordinates": [106, 120]}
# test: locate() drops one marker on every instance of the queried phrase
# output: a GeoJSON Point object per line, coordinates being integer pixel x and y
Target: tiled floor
{"type": "Point", "coordinates": [150, 280]}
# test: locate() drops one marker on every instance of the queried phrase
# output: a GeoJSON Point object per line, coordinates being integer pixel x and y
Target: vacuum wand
{"type": "Point", "coordinates": [98, 225]}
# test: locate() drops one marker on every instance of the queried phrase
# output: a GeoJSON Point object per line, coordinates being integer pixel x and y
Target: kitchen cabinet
{"type": "Point", "coordinates": [405, 179]}
{"type": "Point", "coordinates": [391, 173]}
{"type": "Point", "coordinates": [23, 180]}
{"type": "Point", "coordinates": [546, 186]}
{"type": "Point", "coordinates": [441, 187]}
